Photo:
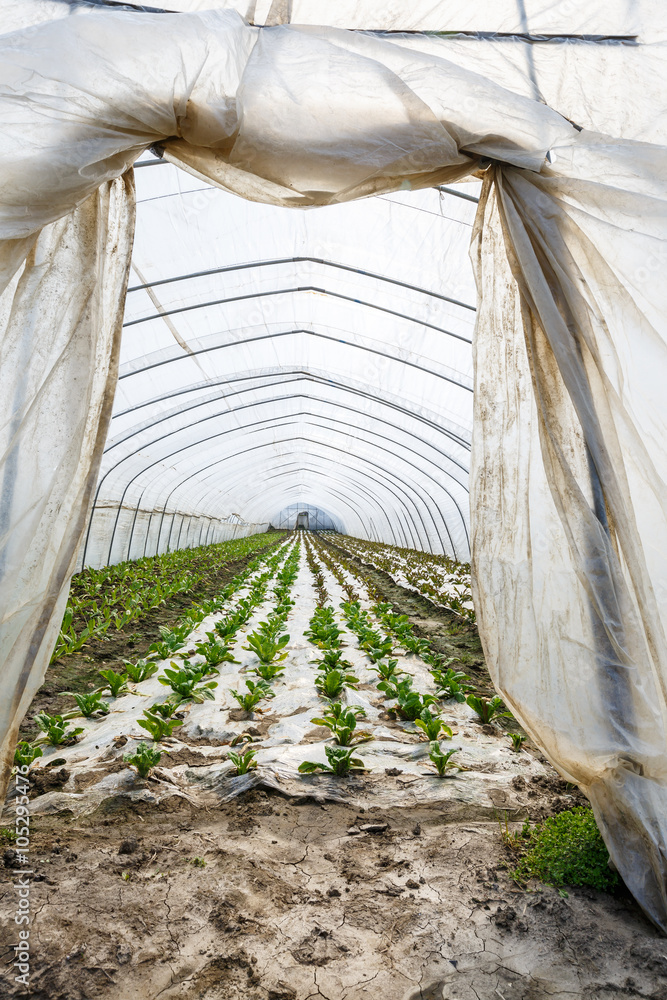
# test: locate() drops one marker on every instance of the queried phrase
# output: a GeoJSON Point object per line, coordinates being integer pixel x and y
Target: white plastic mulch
{"type": "Point", "coordinates": [196, 767]}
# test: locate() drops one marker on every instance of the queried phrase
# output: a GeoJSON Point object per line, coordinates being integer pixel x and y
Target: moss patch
{"type": "Point", "coordinates": [567, 849]}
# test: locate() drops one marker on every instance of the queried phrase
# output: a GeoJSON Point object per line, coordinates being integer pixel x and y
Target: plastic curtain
{"type": "Point", "coordinates": [568, 500]}
{"type": "Point", "coordinates": [60, 319]}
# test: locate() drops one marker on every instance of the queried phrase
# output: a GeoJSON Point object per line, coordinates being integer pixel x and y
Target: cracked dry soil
{"type": "Point", "coordinates": [268, 898]}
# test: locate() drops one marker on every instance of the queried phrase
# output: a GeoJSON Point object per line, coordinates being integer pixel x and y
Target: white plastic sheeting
{"type": "Point", "coordinates": [318, 368]}
{"type": "Point", "coordinates": [569, 497]}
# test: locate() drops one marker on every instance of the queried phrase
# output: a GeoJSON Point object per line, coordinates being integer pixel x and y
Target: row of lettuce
{"type": "Point", "coordinates": [381, 633]}
{"type": "Point", "coordinates": [438, 577]}
{"type": "Point", "coordinates": [107, 600]}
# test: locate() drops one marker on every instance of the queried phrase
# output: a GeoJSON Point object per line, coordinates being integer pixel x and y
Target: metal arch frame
{"type": "Point", "coordinates": [303, 374]}
{"type": "Point", "coordinates": [416, 491]}
{"type": "Point", "coordinates": [267, 444]}
{"type": "Point", "coordinates": [412, 450]}
{"type": "Point", "coordinates": [272, 262]}
{"type": "Point", "coordinates": [276, 399]}
{"type": "Point", "coordinates": [264, 445]}
{"type": "Point", "coordinates": [211, 465]}
{"type": "Point", "coordinates": [336, 490]}
{"type": "Point", "coordinates": [289, 291]}
{"type": "Point", "coordinates": [360, 490]}
{"type": "Point", "coordinates": [257, 423]}
{"type": "Point", "coordinates": [408, 494]}
{"type": "Point", "coordinates": [289, 333]}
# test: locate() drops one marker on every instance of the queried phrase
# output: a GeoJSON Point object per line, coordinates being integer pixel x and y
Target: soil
{"type": "Point", "coordinates": [266, 898]}
{"type": "Point", "coordinates": [272, 897]}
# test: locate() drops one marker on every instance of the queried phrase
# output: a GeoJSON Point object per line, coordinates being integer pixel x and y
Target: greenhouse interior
{"type": "Point", "coordinates": [333, 516]}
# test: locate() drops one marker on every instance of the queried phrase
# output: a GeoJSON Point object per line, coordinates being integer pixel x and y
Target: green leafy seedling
{"type": "Point", "coordinates": [214, 651]}
{"type": "Point", "coordinates": [141, 670]}
{"type": "Point", "coordinates": [410, 704]}
{"type": "Point", "coordinates": [331, 684]}
{"type": "Point", "coordinates": [256, 691]}
{"type": "Point", "coordinates": [379, 651]}
{"type": "Point", "coordinates": [393, 688]}
{"type": "Point", "coordinates": [56, 729]}
{"type": "Point", "coordinates": [116, 683]}
{"type": "Point", "coordinates": [157, 726]}
{"type": "Point", "coordinates": [442, 759]}
{"type": "Point", "coordinates": [342, 722]}
{"type": "Point", "coordinates": [25, 753]}
{"type": "Point", "coordinates": [185, 684]}
{"type": "Point", "coordinates": [167, 645]}
{"type": "Point", "coordinates": [88, 704]}
{"type": "Point", "coordinates": [144, 758]}
{"type": "Point", "coordinates": [518, 740]}
{"type": "Point", "coordinates": [388, 671]}
{"type": "Point", "coordinates": [341, 762]}
{"type": "Point", "coordinates": [452, 684]}
{"type": "Point", "coordinates": [243, 761]}
{"type": "Point", "coordinates": [431, 726]}
{"type": "Point", "coordinates": [332, 659]}
{"type": "Point", "coordinates": [269, 671]}
{"type": "Point", "coordinates": [266, 649]}
{"type": "Point", "coordinates": [165, 709]}
{"type": "Point", "coordinates": [488, 709]}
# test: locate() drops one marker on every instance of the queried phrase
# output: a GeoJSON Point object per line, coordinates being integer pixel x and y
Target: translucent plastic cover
{"type": "Point", "coordinates": [335, 368]}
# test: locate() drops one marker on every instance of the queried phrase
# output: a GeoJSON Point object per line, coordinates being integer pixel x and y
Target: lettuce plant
{"type": "Point", "coordinates": [518, 740]}
{"type": "Point", "coordinates": [388, 671]}
{"type": "Point", "coordinates": [243, 761]}
{"type": "Point", "coordinates": [431, 726]}
{"type": "Point", "coordinates": [341, 762]}
{"type": "Point", "coordinates": [452, 684]}
{"type": "Point", "coordinates": [332, 659]}
{"type": "Point", "coordinates": [266, 648]}
{"type": "Point", "coordinates": [343, 722]}
{"type": "Point", "coordinates": [441, 759]}
{"type": "Point", "coordinates": [144, 759]}
{"type": "Point", "coordinates": [269, 671]}
{"type": "Point", "coordinates": [185, 684]}
{"type": "Point", "coordinates": [157, 726]}
{"type": "Point", "coordinates": [256, 691]}
{"type": "Point", "coordinates": [90, 703]}
{"type": "Point", "coordinates": [166, 709]}
{"type": "Point", "coordinates": [488, 709]}
{"type": "Point", "coordinates": [141, 670]}
{"type": "Point", "coordinates": [170, 642]}
{"type": "Point", "coordinates": [393, 687]}
{"type": "Point", "coordinates": [56, 729]}
{"type": "Point", "coordinates": [214, 651]}
{"type": "Point", "coordinates": [379, 651]}
{"type": "Point", "coordinates": [116, 683]}
{"type": "Point", "coordinates": [25, 753]}
{"type": "Point", "coordinates": [410, 704]}
{"type": "Point", "coordinates": [331, 684]}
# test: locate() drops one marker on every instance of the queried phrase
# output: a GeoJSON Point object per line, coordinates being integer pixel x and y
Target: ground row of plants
{"type": "Point", "coordinates": [189, 679]}
{"type": "Point", "coordinates": [438, 577]}
{"type": "Point", "coordinates": [563, 850]}
{"type": "Point", "coordinates": [374, 638]}
{"type": "Point", "coordinates": [450, 682]}
{"type": "Point", "coordinates": [108, 599]}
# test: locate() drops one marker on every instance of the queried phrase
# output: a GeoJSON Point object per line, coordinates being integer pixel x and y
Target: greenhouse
{"type": "Point", "coordinates": [333, 518]}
